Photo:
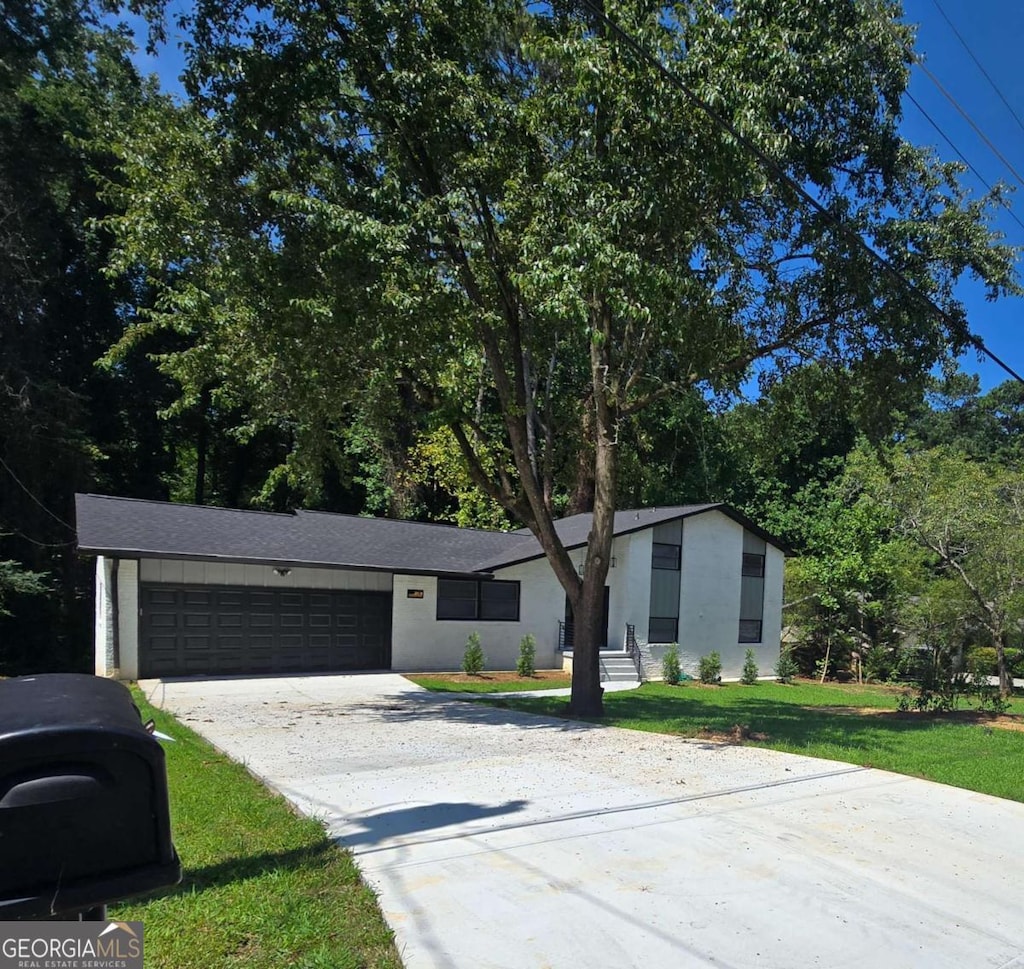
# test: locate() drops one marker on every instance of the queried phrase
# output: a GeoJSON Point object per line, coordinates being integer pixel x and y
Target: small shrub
{"type": "Point", "coordinates": [710, 668]}
{"type": "Point", "coordinates": [473, 658]}
{"type": "Point", "coordinates": [989, 698]}
{"type": "Point", "coordinates": [526, 665]}
{"type": "Point", "coordinates": [786, 667]}
{"type": "Point", "coordinates": [983, 659]}
{"type": "Point", "coordinates": [671, 671]}
{"type": "Point", "coordinates": [750, 670]}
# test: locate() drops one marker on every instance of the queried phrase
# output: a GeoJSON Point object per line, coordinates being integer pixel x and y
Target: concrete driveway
{"type": "Point", "coordinates": [497, 839]}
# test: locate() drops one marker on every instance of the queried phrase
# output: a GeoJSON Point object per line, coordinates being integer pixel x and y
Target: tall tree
{"type": "Point", "coordinates": [500, 202]}
{"type": "Point", "coordinates": [66, 82]}
{"type": "Point", "coordinates": [970, 517]}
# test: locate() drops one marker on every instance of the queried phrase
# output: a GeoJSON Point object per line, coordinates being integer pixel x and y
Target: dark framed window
{"type": "Point", "coordinates": [750, 630]}
{"type": "Point", "coordinates": [499, 601]}
{"type": "Point", "coordinates": [478, 600]}
{"type": "Point", "coordinates": [665, 557]}
{"type": "Point", "coordinates": [753, 565]}
{"type": "Point", "coordinates": [663, 630]}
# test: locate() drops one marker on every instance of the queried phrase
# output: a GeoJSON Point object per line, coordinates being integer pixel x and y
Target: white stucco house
{"type": "Point", "coordinates": [185, 590]}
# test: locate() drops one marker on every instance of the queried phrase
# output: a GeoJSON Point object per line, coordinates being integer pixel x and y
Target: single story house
{"type": "Point", "coordinates": [195, 590]}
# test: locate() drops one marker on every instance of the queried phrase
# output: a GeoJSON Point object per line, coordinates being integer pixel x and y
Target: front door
{"type": "Point", "coordinates": [570, 625]}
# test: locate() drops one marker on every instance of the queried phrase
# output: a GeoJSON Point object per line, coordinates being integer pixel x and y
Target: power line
{"type": "Point", "coordinates": [949, 141]}
{"type": "Point", "coordinates": [980, 66]}
{"type": "Point", "coordinates": [774, 168]}
{"type": "Point", "coordinates": [963, 114]}
{"type": "Point", "coordinates": [18, 481]}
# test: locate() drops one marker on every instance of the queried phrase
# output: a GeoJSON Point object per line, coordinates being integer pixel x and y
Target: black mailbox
{"type": "Point", "coordinates": [84, 818]}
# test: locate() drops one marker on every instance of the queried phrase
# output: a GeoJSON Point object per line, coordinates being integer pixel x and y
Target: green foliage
{"type": "Point", "coordinates": [785, 666]}
{"type": "Point", "coordinates": [671, 671]}
{"type": "Point", "coordinates": [526, 664]}
{"type": "Point", "coordinates": [750, 671]}
{"type": "Point", "coordinates": [983, 659]}
{"type": "Point", "coordinates": [473, 660]}
{"type": "Point", "coordinates": [526, 236]}
{"type": "Point", "coordinates": [709, 668]}
{"type": "Point", "coordinates": [16, 580]}
{"type": "Point", "coordinates": [967, 517]}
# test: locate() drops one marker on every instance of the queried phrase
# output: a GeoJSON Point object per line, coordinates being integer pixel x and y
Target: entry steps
{"type": "Point", "coordinates": [617, 666]}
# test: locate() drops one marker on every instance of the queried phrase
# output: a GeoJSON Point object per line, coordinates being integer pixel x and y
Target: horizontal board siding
{"type": "Point", "coordinates": [181, 572]}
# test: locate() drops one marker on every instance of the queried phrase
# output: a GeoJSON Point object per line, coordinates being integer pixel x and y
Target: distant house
{"type": "Point", "coordinates": [185, 590]}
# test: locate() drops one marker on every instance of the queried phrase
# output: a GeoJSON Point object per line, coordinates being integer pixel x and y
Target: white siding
{"type": "Point", "coordinates": [710, 595]}
{"type": "Point", "coordinates": [104, 620]}
{"type": "Point", "coordinates": [127, 613]}
{"type": "Point", "coordinates": [261, 576]}
{"type": "Point", "coordinates": [771, 636]}
{"type": "Point", "coordinates": [630, 582]}
{"type": "Point", "coordinates": [709, 608]}
{"type": "Point", "coordinates": [421, 641]}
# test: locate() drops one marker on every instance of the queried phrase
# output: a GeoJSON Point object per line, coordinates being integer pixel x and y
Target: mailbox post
{"type": "Point", "coordinates": [84, 815]}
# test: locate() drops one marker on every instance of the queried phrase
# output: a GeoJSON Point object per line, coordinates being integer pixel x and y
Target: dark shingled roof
{"type": "Point", "coordinates": [130, 526]}
{"type": "Point", "coordinates": [574, 530]}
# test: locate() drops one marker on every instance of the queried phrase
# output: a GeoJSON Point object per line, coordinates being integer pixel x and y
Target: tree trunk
{"type": "Point", "coordinates": [588, 618]}
{"type": "Point", "coordinates": [1005, 680]}
{"type": "Point", "coordinates": [202, 446]}
{"type": "Point", "coordinates": [824, 666]}
{"type": "Point", "coordinates": [587, 694]}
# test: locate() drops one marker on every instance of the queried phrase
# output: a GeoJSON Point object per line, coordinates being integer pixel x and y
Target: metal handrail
{"type": "Point", "coordinates": [634, 649]}
{"type": "Point", "coordinates": [566, 635]}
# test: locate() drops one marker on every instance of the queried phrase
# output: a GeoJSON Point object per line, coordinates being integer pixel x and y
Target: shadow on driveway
{"type": "Point", "coordinates": [460, 708]}
{"type": "Point", "coordinates": [382, 825]}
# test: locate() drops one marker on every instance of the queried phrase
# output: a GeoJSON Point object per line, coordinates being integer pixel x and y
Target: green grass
{"type": "Point", "coordinates": [262, 887]}
{"type": "Point", "coordinates": [442, 683]}
{"type": "Point", "coordinates": [824, 721]}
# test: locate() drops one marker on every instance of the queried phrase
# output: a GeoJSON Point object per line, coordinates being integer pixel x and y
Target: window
{"type": "Point", "coordinates": [477, 599]}
{"type": "Point", "coordinates": [665, 556]}
{"type": "Point", "coordinates": [753, 565]}
{"type": "Point", "coordinates": [750, 630]}
{"type": "Point", "coordinates": [456, 599]}
{"type": "Point", "coordinates": [663, 630]}
{"type": "Point", "coordinates": [499, 601]}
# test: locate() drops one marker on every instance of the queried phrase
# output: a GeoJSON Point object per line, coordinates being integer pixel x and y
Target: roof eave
{"type": "Point", "coordinates": [278, 563]}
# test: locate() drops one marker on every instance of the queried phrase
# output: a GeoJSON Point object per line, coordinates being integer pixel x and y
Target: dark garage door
{"type": "Point", "coordinates": [188, 630]}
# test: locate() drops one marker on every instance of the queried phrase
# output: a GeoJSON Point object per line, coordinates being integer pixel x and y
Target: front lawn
{"type": "Point", "coordinates": [497, 682]}
{"type": "Point", "coordinates": [855, 724]}
{"type": "Point", "coordinates": [263, 886]}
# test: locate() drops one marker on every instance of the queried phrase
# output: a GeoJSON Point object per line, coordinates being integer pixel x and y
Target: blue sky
{"type": "Point", "coordinates": [994, 30]}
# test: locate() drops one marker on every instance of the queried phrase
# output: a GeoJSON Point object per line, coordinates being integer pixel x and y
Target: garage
{"type": "Point", "coordinates": [188, 630]}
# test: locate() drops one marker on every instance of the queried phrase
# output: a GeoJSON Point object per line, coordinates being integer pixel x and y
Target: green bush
{"type": "Point", "coordinates": [750, 670]}
{"type": "Point", "coordinates": [473, 659]}
{"type": "Point", "coordinates": [671, 671]}
{"type": "Point", "coordinates": [710, 668]}
{"type": "Point", "coordinates": [526, 665]}
{"type": "Point", "coordinates": [982, 659]}
{"type": "Point", "coordinates": [786, 666]}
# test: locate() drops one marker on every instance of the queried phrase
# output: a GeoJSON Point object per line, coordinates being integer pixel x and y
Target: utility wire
{"type": "Point", "coordinates": [949, 141]}
{"type": "Point", "coordinates": [963, 114]}
{"type": "Point", "coordinates": [18, 481]}
{"type": "Point", "coordinates": [980, 66]}
{"type": "Point", "coordinates": [775, 169]}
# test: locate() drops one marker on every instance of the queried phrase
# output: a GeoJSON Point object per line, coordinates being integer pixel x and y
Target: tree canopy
{"type": "Point", "coordinates": [500, 214]}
